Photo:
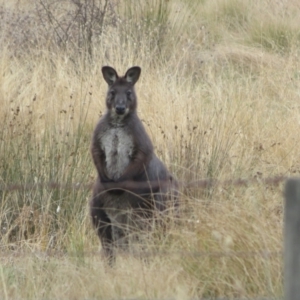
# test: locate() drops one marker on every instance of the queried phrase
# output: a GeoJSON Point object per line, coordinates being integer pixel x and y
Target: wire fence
{"type": "Point", "coordinates": [131, 185]}
{"type": "Point", "coordinates": [148, 254]}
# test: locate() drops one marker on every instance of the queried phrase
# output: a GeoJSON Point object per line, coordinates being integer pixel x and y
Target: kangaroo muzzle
{"type": "Point", "coordinates": [120, 109]}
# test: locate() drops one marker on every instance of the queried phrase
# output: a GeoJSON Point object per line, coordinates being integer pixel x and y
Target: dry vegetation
{"type": "Point", "coordinates": [219, 95]}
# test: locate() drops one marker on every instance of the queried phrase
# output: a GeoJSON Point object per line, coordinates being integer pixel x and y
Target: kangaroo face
{"type": "Point", "coordinates": [121, 97]}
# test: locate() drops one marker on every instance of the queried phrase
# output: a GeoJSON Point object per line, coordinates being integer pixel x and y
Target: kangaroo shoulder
{"type": "Point", "coordinates": [140, 135]}
{"type": "Point", "coordinates": [101, 127]}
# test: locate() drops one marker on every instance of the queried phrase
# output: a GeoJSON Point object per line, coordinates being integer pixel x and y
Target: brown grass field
{"type": "Point", "coordinates": [219, 95]}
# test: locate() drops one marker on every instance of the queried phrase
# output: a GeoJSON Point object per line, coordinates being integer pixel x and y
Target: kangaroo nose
{"type": "Point", "coordinates": [120, 110]}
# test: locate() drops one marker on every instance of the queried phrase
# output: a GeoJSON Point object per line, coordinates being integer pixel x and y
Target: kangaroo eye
{"type": "Point", "coordinates": [128, 93]}
{"type": "Point", "coordinates": [112, 94]}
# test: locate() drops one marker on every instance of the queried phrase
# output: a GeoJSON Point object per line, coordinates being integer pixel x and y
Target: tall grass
{"type": "Point", "coordinates": [219, 96]}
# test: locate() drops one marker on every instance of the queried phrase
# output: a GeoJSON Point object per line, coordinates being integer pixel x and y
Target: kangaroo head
{"type": "Point", "coordinates": [121, 97]}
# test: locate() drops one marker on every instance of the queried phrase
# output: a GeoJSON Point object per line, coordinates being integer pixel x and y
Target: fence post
{"type": "Point", "coordinates": [292, 240]}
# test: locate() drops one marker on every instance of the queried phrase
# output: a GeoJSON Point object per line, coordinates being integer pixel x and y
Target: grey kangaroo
{"type": "Point", "coordinates": [132, 183]}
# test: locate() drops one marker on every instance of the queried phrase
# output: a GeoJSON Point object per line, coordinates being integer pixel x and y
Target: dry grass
{"type": "Point", "coordinates": [219, 95]}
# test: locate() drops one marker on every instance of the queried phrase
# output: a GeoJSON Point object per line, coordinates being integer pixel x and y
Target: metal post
{"type": "Point", "coordinates": [292, 240]}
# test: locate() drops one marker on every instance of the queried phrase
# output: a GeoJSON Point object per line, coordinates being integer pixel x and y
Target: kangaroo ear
{"type": "Point", "coordinates": [132, 75]}
{"type": "Point", "coordinates": [110, 75]}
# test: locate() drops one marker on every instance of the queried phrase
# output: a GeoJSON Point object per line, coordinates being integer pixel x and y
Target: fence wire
{"type": "Point", "coordinates": [131, 185]}
{"type": "Point", "coordinates": [264, 254]}
{"type": "Point", "coordinates": [205, 183]}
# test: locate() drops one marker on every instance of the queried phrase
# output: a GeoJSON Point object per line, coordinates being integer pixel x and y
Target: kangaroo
{"type": "Point", "coordinates": [132, 183]}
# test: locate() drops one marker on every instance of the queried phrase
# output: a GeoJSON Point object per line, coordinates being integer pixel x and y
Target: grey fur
{"type": "Point", "coordinates": [122, 151]}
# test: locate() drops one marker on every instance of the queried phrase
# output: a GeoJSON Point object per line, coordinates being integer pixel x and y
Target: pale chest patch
{"type": "Point", "coordinates": [117, 145]}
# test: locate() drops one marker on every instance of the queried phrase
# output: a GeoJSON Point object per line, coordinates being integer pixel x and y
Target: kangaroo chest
{"type": "Point", "coordinates": [118, 146]}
